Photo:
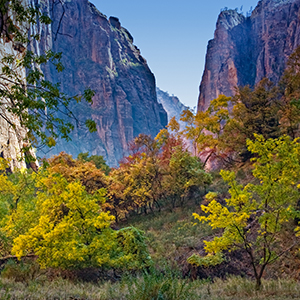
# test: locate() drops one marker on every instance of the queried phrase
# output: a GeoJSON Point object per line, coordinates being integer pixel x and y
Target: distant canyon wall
{"type": "Point", "coordinates": [99, 53]}
{"type": "Point", "coordinates": [245, 50]}
{"type": "Point", "coordinates": [173, 106]}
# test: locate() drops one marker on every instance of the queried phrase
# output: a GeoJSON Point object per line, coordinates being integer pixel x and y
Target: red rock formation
{"type": "Point", "coordinates": [245, 50]}
{"type": "Point", "coordinates": [99, 53]}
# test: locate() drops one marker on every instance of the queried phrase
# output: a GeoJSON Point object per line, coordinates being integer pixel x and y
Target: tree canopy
{"type": "Point", "coordinates": [56, 219]}
{"type": "Point", "coordinates": [257, 216]}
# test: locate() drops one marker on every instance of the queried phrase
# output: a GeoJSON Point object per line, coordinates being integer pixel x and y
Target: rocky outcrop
{"type": "Point", "coordinates": [171, 104]}
{"type": "Point", "coordinates": [245, 50]}
{"type": "Point", "coordinates": [99, 53]}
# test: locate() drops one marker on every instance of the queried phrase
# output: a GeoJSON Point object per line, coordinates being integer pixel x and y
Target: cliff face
{"type": "Point", "coordinates": [99, 53]}
{"type": "Point", "coordinates": [245, 50]}
{"type": "Point", "coordinates": [12, 134]}
{"type": "Point", "coordinates": [171, 104]}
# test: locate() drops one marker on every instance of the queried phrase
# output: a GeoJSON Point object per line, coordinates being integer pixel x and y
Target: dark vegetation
{"type": "Point", "coordinates": [76, 229]}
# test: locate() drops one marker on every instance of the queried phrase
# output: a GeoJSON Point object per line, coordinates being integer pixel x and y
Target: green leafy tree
{"type": "Point", "coordinates": [98, 160]}
{"type": "Point", "coordinates": [257, 216]}
{"type": "Point", "coordinates": [183, 176]}
{"type": "Point", "coordinates": [222, 130]}
{"type": "Point", "coordinates": [254, 112]}
{"type": "Point", "coordinates": [17, 205]}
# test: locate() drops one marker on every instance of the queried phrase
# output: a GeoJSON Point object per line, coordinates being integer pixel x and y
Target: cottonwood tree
{"type": "Point", "coordinates": [221, 131]}
{"type": "Point", "coordinates": [206, 128]}
{"type": "Point", "coordinates": [45, 215]}
{"type": "Point", "coordinates": [257, 216]}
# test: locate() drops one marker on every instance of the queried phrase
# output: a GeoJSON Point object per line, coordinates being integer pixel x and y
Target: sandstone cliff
{"type": "Point", "coordinates": [245, 50]}
{"type": "Point", "coordinates": [12, 134]}
{"type": "Point", "coordinates": [99, 53]}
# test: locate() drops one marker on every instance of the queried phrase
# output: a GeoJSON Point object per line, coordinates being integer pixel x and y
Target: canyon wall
{"type": "Point", "coordinates": [99, 53]}
{"type": "Point", "coordinates": [172, 105]}
{"type": "Point", "coordinates": [11, 132]}
{"type": "Point", "coordinates": [245, 50]}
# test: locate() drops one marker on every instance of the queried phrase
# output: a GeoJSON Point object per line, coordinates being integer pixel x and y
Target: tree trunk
{"type": "Point", "coordinates": [258, 283]}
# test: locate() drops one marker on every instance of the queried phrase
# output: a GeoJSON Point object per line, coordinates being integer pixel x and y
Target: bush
{"type": "Point", "coordinates": [155, 285]}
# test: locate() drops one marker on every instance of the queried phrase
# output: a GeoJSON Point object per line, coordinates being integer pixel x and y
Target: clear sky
{"type": "Point", "coordinates": [172, 37]}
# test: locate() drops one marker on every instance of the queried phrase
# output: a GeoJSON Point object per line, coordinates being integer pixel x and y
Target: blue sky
{"type": "Point", "coordinates": [172, 37]}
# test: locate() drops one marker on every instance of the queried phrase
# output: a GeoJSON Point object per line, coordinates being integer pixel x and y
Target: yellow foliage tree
{"type": "Point", "coordinates": [87, 173]}
{"type": "Point", "coordinates": [205, 128]}
{"type": "Point", "coordinates": [256, 216]}
{"type": "Point", "coordinates": [57, 220]}
{"type": "Point", "coordinates": [17, 204]}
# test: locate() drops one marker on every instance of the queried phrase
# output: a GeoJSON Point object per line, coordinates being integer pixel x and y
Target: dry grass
{"type": "Point", "coordinates": [150, 289]}
{"type": "Point", "coordinates": [58, 289]}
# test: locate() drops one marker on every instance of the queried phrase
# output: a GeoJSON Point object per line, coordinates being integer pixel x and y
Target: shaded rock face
{"type": "Point", "coordinates": [245, 50]}
{"type": "Point", "coordinates": [98, 53]}
{"type": "Point", "coordinates": [171, 104]}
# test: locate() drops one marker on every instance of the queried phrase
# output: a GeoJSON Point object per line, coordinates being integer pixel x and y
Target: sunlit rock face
{"type": "Point", "coordinates": [245, 50]}
{"type": "Point", "coordinates": [12, 134]}
{"type": "Point", "coordinates": [99, 53]}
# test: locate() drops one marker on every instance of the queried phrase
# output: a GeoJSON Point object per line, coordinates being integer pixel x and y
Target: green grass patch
{"type": "Point", "coordinates": [172, 234]}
